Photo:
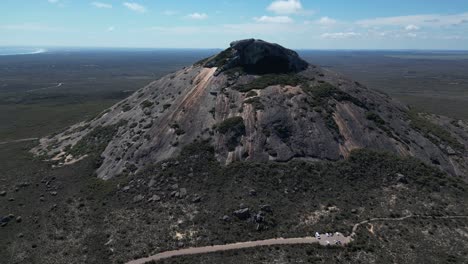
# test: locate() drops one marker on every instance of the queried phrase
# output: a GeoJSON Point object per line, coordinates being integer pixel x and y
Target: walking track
{"type": "Point", "coordinates": [324, 240]}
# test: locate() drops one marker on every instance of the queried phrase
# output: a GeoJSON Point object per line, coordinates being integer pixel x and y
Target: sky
{"type": "Point", "coordinates": [298, 24]}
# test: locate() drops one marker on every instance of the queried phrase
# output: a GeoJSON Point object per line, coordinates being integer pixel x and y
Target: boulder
{"type": "Point", "coordinates": [3, 193]}
{"type": "Point", "coordinates": [242, 214]}
{"type": "Point", "coordinates": [138, 198]}
{"type": "Point", "coordinates": [266, 208]}
{"type": "Point", "coordinates": [155, 198]}
{"type": "Point", "coordinates": [401, 178]}
{"type": "Point", "coordinates": [196, 199]}
{"type": "Point", "coordinates": [182, 192]}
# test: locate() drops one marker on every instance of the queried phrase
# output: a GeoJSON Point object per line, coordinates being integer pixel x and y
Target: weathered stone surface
{"type": "Point", "coordinates": [242, 214]}
{"type": "Point", "coordinates": [283, 122]}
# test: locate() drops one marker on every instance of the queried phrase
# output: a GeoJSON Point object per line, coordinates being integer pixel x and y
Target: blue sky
{"type": "Point", "coordinates": [299, 24]}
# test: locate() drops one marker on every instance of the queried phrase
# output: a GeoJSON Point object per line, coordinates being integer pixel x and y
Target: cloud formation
{"type": "Point", "coordinates": [198, 16]}
{"type": "Point", "coordinates": [135, 7]}
{"type": "Point", "coordinates": [285, 7]}
{"type": "Point", "coordinates": [326, 21]}
{"type": "Point", "coordinates": [412, 27]}
{"type": "Point", "coordinates": [274, 19]}
{"type": "Point", "coordinates": [101, 5]}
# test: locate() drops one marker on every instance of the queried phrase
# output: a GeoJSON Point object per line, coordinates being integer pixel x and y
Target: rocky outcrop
{"type": "Point", "coordinates": [291, 111]}
{"type": "Point", "coordinates": [258, 57]}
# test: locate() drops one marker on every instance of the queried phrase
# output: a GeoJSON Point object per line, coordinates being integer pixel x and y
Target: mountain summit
{"type": "Point", "coordinates": [257, 101]}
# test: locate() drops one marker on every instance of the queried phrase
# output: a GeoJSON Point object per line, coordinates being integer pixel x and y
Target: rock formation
{"type": "Point", "coordinates": [256, 101]}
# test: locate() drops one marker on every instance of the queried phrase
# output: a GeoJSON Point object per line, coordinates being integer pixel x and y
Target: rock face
{"type": "Point", "coordinates": [256, 101]}
{"type": "Point", "coordinates": [259, 57]}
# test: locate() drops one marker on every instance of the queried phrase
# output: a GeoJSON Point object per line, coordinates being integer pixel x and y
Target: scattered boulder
{"type": "Point", "coordinates": [266, 208]}
{"type": "Point", "coordinates": [354, 211]}
{"type": "Point", "coordinates": [3, 193]}
{"type": "Point", "coordinates": [126, 188]}
{"type": "Point", "coordinates": [450, 151]}
{"type": "Point", "coordinates": [401, 178]}
{"type": "Point", "coordinates": [151, 183]}
{"type": "Point", "coordinates": [242, 214]}
{"type": "Point", "coordinates": [19, 219]}
{"type": "Point", "coordinates": [253, 192]}
{"type": "Point", "coordinates": [226, 218]}
{"type": "Point", "coordinates": [155, 198]}
{"type": "Point", "coordinates": [196, 199]}
{"type": "Point", "coordinates": [259, 218]}
{"type": "Point", "coordinates": [138, 198]}
{"type": "Point", "coordinates": [182, 192]}
{"type": "Point", "coordinates": [53, 193]}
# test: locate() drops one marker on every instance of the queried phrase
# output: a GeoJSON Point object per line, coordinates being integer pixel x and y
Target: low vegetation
{"type": "Point", "coordinates": [233, 128]}
{"type": "Point", "coordinates": [256, 102]}
{"type": "Point", "coordinates": [432, 131]}
{"type": "Point", "coordinates": [146, 104]}
{"type": "Point", "coordinates": [95, 141]}
{"type": "Point", "coordinates": [272, 79]}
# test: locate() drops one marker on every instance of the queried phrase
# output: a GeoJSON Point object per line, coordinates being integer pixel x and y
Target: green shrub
{"type": "Point", "coordinates": [255, 102]}
{"type": "Point", "coordinates": [430, 130]}
{"type": "Point", "coordinates": [272, 79]}
{"type": "Point", "coordinates": [146, 104]}
{"type": "Point", "coordinates": [233, 128]}
{"type": "Point", "coordinates": [231, 124]}
{"type": "Point", "coordinates": [375, 117]}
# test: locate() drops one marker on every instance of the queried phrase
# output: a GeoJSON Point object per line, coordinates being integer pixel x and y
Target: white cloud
{"type": "Point", "coordinates": [285, 7]}
{"type": "Point", "coordinates": [53, 1]}
{"type": "Point", "coordinates": [326, 21]}
{"type": "Point", "coordinates": [198, 16]}
{"type": "Point", "coordinates": [274, 19]}
{"type": "Point", "coordinates": [340, 35]}
{"type": "Point", "coordinates": [432, 20]}
{"type": "Point", "coordinates": [111, 28]}
{"type": "Point", "coordinates": [135, 7]}
{"type": "Point", "coordinates": [101, 5]}
{"type": "Point", "coordinates": [412, 27]}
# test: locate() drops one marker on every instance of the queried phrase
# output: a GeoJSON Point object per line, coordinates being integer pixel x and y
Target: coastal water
{"type": "Point", "coordinates": [5, 51]}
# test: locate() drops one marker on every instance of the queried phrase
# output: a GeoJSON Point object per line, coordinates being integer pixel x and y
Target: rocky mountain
{"type": "Point", "coordinates": [257, 101]}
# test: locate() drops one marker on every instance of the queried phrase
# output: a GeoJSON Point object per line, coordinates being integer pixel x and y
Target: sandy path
{"type": "Point", "coordinates": [269, 242]}
{"type": "Point", "coordinates": [325, 240]}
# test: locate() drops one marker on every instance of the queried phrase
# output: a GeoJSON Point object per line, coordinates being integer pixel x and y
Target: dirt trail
{"type": "Point", "coordinates": [324, 240]}
{"type": "Point", "coordinates": [269, 242]}
{"type": "Point", "coordinates": [17, 140]}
